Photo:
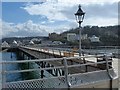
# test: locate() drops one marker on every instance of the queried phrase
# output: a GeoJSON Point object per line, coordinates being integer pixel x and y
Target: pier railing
{"type": "Point", "coordinates": [71, 52]}
{"type": "Point", "coordinates": [65, 81]}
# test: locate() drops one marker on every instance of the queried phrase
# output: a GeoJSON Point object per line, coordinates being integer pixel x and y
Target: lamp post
{"type": "Point", "coordinates": [79, 18]}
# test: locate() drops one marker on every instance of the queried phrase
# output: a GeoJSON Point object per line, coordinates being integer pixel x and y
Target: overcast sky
{"type": "Point", "coordinates": [46, 16]}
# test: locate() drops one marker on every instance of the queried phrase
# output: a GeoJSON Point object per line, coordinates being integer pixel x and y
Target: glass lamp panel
{"type": "Point", "coordinates": [80, 18]}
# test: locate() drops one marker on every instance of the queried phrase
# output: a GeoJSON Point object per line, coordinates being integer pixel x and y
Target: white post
{"type": "Point", "coordinates": [66, 72]}
{"type": "Point", "coordinates": [110, 76]}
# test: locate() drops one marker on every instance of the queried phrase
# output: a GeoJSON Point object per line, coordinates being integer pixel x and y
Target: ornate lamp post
{"type": "Point", "coordinates": [79, 18]}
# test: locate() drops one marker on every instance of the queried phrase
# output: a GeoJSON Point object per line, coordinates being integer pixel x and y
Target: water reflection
{"type": "Point", "coordinates": [11, 56]}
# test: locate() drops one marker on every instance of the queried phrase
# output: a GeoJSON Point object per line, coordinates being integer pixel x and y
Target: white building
{"type": "Point", "coordinates": [5, 44]}
{"type": "Point", "coordinates": [94, 39]}
{"type": "Point", "coordinates": [34, 39]}
{"type": "Point", "coordinates": [83, 37]}
{"type": "Point", "coordinates": [31, 42]}
{"type": "Point", "coordinates": [14, 43]}
{"type": "Point", "coordinates": [71, 36]}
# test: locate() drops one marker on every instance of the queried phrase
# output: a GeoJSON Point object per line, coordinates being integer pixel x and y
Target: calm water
{"type": "Point", "coordinates": [10, 56]}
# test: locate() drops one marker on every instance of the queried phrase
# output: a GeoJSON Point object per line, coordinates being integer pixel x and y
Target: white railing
{"type": "Point", "coordinates": [62, 52]}
{"type": "Point", "coordinates": [63, 80]}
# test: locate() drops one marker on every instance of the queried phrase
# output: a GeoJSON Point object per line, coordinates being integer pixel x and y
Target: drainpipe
{"type": "Point", "coordinates": [66, 72]}
{"type": "Point", "coordinates": [108, 71]}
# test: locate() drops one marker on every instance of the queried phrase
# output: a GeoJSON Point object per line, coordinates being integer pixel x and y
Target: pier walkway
{"type": "Point", "coordinates": [72, 71]}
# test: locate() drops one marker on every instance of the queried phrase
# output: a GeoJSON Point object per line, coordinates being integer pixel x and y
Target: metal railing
{"type": "Point", "coordinates": [63, 81]}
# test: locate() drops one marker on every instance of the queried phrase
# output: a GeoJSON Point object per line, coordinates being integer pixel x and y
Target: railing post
{"type": "Point", "coordinates": [85, 63]}
{"type": "Point", "coordinates": [53, 51]}
{"type": "Point", "coordinates": [107, 68]}
{"type": "Point", "coordinates": [3, 75]}
{"type": "Point", "coordinates": [60, 53]}
{"type": "Point", "coordinates": [66, 72]}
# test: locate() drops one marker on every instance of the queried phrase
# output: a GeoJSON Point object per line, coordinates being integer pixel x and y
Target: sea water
{"type": "Point", "coordinates": [10, 56]}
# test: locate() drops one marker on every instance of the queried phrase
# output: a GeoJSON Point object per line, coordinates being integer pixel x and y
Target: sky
{"type": "Point", "coordinates": [41, 17]}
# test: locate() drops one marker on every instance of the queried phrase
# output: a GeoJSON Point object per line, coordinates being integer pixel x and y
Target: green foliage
{"type": "Point", "coordinates": [109, 35]}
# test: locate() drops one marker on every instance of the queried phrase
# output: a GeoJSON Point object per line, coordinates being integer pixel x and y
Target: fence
{"type": "Point", "coordinates": [65, 81]}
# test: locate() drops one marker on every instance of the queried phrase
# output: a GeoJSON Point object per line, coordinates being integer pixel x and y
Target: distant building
{"type": "Point", "coordinates": [5, 44]}
{"type": "Point", "coordinates": [19, 43]}
{"type": "Point", "coordinates": [53, 35]}
{"type": "Point", "coordinates": [26, 42]}
{"type": "Point", "coordinates": [57, 43]}
{"type": "Point", "coordinates": [31, 42]}
{"type": "Point", "coordinates": [71, 37]}
{"type": "Point", "coordinates": [14, 43]}
{"type": "Point", "coordinates": [83, 37]}
{"type": "Point", "coordinates": [46, 42]}
{"type": "Point", "coordinates": [35, 39]}
{"type": "Point", "coordinates": [94, 39]}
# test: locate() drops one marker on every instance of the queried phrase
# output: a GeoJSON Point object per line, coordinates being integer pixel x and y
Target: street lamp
{"type": "Point", "coordinates": [79, 18]}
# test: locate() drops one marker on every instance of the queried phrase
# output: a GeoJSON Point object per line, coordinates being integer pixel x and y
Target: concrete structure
{"type": "Point", "coordinates": [71, 36]}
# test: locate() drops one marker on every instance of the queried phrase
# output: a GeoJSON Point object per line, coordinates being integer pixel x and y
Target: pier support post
{"type": "Point", "coordinates": [63, 73]}
{"type": "Point", "coordinates": [42, 71]}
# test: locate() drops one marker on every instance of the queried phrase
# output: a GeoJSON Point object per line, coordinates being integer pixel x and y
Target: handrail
{"type": "Point", "coordinates": [49, 59]}
{"type": "Point", "coordinates": [62, 50]}
{"type": "Point", "coordinates": [48, 68]}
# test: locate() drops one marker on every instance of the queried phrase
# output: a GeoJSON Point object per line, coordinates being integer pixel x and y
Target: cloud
{"type": "Point", "coordinates": [65, 1]}
{"type": "Point", "coordinates": [30, 29]}
{"type": "Point", "coordinates": [50, 10]}
{"type": "Point", "coordinates": [25, 29]}
{"type": "Point", "coordinates": [102, 10]}
{"type": "Point", "coordinates": [60, 17]}
{"type": "Point", "coordinates": [101, 21]}
{"type": "Point", "coordinates": [63, 10]}
{"type": "Point", "coordinates": [86, 2]}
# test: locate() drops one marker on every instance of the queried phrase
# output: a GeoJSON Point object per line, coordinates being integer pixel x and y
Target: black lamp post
{"type": "Point", "coordinates": [79, 18]}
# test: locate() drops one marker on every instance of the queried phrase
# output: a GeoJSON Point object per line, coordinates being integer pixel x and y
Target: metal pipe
{"type": "Point", "coordinates": [80, 39]}
{"type": "Point", "coordinates": [51, 59]}
{"type": "Point", "coordinates": [59, 67]}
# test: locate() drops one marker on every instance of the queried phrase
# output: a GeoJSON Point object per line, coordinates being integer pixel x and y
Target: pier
{"type": "Point", "coordinates": [66, 69]}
